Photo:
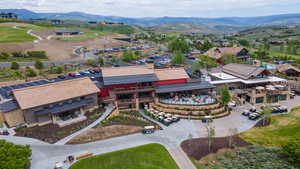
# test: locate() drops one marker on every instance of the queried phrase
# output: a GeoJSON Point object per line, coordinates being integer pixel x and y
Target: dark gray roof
{"type": "Point", "coordinates": [129, 79]}
{"type": "Point", "coordinates": [9, 106]}
{"type": "Point", "coordinates": [65, 107]}
{"type": "Point", "coordinates": [67, 31]}
{"type": "Point", "coordinates": [242, 71]}
{"type": "Point", "coordinates": [183, 87]}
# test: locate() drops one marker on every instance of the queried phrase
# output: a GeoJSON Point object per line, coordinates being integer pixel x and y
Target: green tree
{"type": "Point", "coordinates": [226, 59]}
{"type": "Point", "coordinates": [291, 150]}
{"type": "Point", "coordinates": [113, 59]}
{"type": "Point", "coordinates": [101, 60]}
{"type": "Point", "coordinates": [178, 58]}
{"type": "Point", "coordinates": [267, 113]}
{"type": "Point", "coordinates": [90, 62]}
{"type": "Point", "coordinates": [210, 133]}
{"type": "Point", "coordinates": [30, 72]}
{"type": "Point", "coordinates": [244, 42]}
{"type": "Point", "coordinates": [225, 95]}
{"type": "Point", "coordinates": [14, 66]}
{"type": "Point", "coordinates": [206, 46]}
{"type": "Point", "coordinates": [38, 65]}
{"type": "Point", "coordinates": [14, 156]}
{"type": "Point", "coordinates": [4, 55]}
{"type": "Point", "coordinates": [179, 44]}
{"type": "Point", "coordinates": [127, 56]}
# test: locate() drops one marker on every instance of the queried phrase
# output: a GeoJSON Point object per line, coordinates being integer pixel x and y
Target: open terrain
{"type": "Point", "coordinates": [282, 129]}
{"type": "Point", "coordinates": [15, 38]}
{"type": "Point", "coordinates": [151, 156]}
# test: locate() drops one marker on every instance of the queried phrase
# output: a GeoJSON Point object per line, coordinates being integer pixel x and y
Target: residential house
{"type": "Point", "coordinates": [288, 70]}
{"type": "Point", "coordinates": [217, 53]}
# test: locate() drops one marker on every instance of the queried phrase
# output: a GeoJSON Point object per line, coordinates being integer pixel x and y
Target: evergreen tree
{"type": "Point", "coordinates": [14, 65]}
{"type": "Point", "coordinates": [178, 58]}
{"type": "Point", "coordinates": [38, 65]}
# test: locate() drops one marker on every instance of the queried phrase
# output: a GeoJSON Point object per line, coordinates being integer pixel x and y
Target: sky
{"type": "Point", "coordinates": [159, 8]}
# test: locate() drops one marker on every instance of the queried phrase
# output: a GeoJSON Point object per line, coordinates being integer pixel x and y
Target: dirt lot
{"type": "Point", "coordinates": [59, 50]}
{"type": "Point", "coordinates": [15, 24]}
{"type": "Point", "coordinates": [101, 133]}
{"type": "Point", "coordinates": [198, 148]}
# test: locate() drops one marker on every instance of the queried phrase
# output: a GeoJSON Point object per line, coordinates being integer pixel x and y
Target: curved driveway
{"type": "Point", "coordinates": [45, 155]}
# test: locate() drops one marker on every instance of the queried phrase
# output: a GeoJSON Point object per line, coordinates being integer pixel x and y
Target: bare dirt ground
{"type": "Point", "coordinates": [101, 133]}
{"type": "Point", "coordinates": [15, 24]}
{"type": "Point", "coordinates": [58, 50]}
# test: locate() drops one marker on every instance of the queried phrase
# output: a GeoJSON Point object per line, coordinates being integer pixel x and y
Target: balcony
{"type": "Point", "coordinates": [146, 99]}
{"type": "Point", "coordinates": [134, 90]}
{"type": "Point", "coordinates": [126, 101]}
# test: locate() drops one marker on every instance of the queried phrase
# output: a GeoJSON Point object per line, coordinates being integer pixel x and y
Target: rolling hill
{"type": "Point", "coordinates": [229, 24]}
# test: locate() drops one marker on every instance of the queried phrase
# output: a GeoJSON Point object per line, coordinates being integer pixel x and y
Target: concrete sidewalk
{"type": "Point", "coordinates": [107, 112]}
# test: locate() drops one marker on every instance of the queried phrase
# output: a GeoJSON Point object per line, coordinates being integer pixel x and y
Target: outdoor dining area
{"type": "Point", "coordinates": [189, 100]}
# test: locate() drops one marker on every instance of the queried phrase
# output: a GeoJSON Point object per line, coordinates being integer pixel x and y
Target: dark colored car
{"type": "Point", "coordinates": [61, 76]}
{"type": "Point", "coordinates": [82, 73]}
{"type": "Point", "coordinates": [72, 74]}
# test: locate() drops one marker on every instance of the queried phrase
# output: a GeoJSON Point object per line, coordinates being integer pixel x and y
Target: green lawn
{"type": "Point", "coordinates": [85, 36]}
{"type": "Point", "coordinates": [9, 34]}
{"type": "Point", "coordinates": [151, 156]}
{"type": "Point", "coordinates": [280, 54]}
{"type": "Point", "coordinates": [282, 129]}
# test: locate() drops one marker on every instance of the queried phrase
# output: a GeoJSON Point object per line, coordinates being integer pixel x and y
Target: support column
{"type": "Point", "coordinates": [137, 101]}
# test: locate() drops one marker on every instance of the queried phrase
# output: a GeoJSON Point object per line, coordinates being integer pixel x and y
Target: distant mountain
{"type": "Point", "coordinates": [229, 23]}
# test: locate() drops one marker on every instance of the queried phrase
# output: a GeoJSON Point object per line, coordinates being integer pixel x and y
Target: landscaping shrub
{"type": "Point", "coordinates": [253, 157]}
{"type": "Point", "coordinates": [14, 156]}
{"type": "Point", "coordinates": [291, 150]}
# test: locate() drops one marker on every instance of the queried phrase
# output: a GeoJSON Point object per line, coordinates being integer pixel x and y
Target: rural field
{"type": "Point", "coordinates": [151, 156]}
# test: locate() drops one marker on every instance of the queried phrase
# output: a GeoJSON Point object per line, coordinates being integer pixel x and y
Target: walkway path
{"type": "Point", "coordinates": [107, 112]}
{"type": "Point", "coordinates": [45, 155]}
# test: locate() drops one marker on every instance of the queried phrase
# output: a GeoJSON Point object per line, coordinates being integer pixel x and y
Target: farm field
{"type": "Point", "coordinates": [283, 128]}
{"type": "Point", "coordinates": [151, 156]}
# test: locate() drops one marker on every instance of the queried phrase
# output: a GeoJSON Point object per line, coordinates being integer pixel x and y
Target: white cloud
{"type": "Point", "coordinates": [148, 8]}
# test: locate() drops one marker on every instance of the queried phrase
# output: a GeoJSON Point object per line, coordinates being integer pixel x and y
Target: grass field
{"type": "Point", "coordinates": [9, 35]}
{"type": "Point", "coordinates": [151, 156]}
{"type": "Point", "coordinates": [85, 36]}
{"type": "Point", "coordinates": [280, 54]}
{"type": "Point", "coordinates": [282, 129]}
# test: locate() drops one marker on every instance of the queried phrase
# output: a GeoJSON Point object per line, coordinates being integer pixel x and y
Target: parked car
{"type": "Point", "coordinates": [61, 76]}
{"type": "Point", "coordinates": [72, 74]}
{"type": "Point", "coordinates": [254, 116]}
{"type": "Point", "coordinates": [166, 122]}
{"type": "Point", "coordinates": [253, 109]}
{"type": "Point", "coordinates": [246, 113]}
{"type": "Point", "coordinates": [148, 130]}
{"type": "Point", "coordinates": [207, 119]}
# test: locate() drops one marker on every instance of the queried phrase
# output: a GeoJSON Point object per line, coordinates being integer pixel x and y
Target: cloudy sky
{"type": "Point", "coordinates": [155, 8]}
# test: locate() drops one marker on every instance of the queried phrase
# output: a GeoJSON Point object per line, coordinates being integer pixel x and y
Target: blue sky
{"type": "Point", "coordinates": [156, 8]}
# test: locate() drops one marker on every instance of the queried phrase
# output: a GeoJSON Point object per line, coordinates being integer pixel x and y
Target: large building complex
{"type": "Point", "coordinates": [130, 88]}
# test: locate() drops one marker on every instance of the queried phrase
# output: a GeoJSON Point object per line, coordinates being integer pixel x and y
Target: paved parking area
{"type": "Point", "coordinates": [45, 155]}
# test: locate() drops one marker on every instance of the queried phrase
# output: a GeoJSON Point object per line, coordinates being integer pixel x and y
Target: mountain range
{"type": "Point", "coordinates": [227, 23]}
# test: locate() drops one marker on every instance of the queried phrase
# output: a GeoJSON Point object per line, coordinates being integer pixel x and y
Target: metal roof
{"type": "Point", "coordinates": [183, 87]}
{"type": "Point", "coordinates": [9, 106]}
{"type": "Point", "coordinates": [67, 31]}
{"type": "Point", "coordinates": [129, 79]}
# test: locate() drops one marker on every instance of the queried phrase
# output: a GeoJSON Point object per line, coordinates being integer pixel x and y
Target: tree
{"type": "Point", "coordinates": [113, 59]}
{"type": "Point", "coordinates": [244, 42]}
{"type": "Point", "coordinates": [178, 58]}
{"type": "Point", "coordinates": [4, 55]}
{"type": "Point", "coordinates": [127, 56]}
{"type": "Point", "coordinates": [291, 150]}
{"type": "Point", "coordinates": [210, 133]}
{"type": "Point", "coordinates": [90, 62]}
{"type": "Point", "coordinates": [231, 132]}
{"type": "Point", "coordinates": [38, 65]}
{"type": "Point", "coordinates": [14, 66]}
{"type": "Point", "coordinates": [267, 113]}
{"type": "Point", "coordinates": [206, 46]}
{"type": "Point", "coordinates": [226, 59]}
{"type": "Point", "coordinates": [14, 156]}
{"type": "Point", "coordinates": [225, 95]}
{"type": "Point", "coordinates": [179, 44]}
{"type": "Point", "coordinates": [101, 61]}
{"type": "Point", "coordinates": [29, 72]}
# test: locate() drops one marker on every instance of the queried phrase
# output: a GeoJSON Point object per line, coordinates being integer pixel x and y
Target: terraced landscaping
{"type": "Point", "coordinates": [151, 156]}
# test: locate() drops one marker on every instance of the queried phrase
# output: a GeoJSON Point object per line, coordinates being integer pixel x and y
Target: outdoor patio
{"type": "Point", "coordinates": [189, 100]}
